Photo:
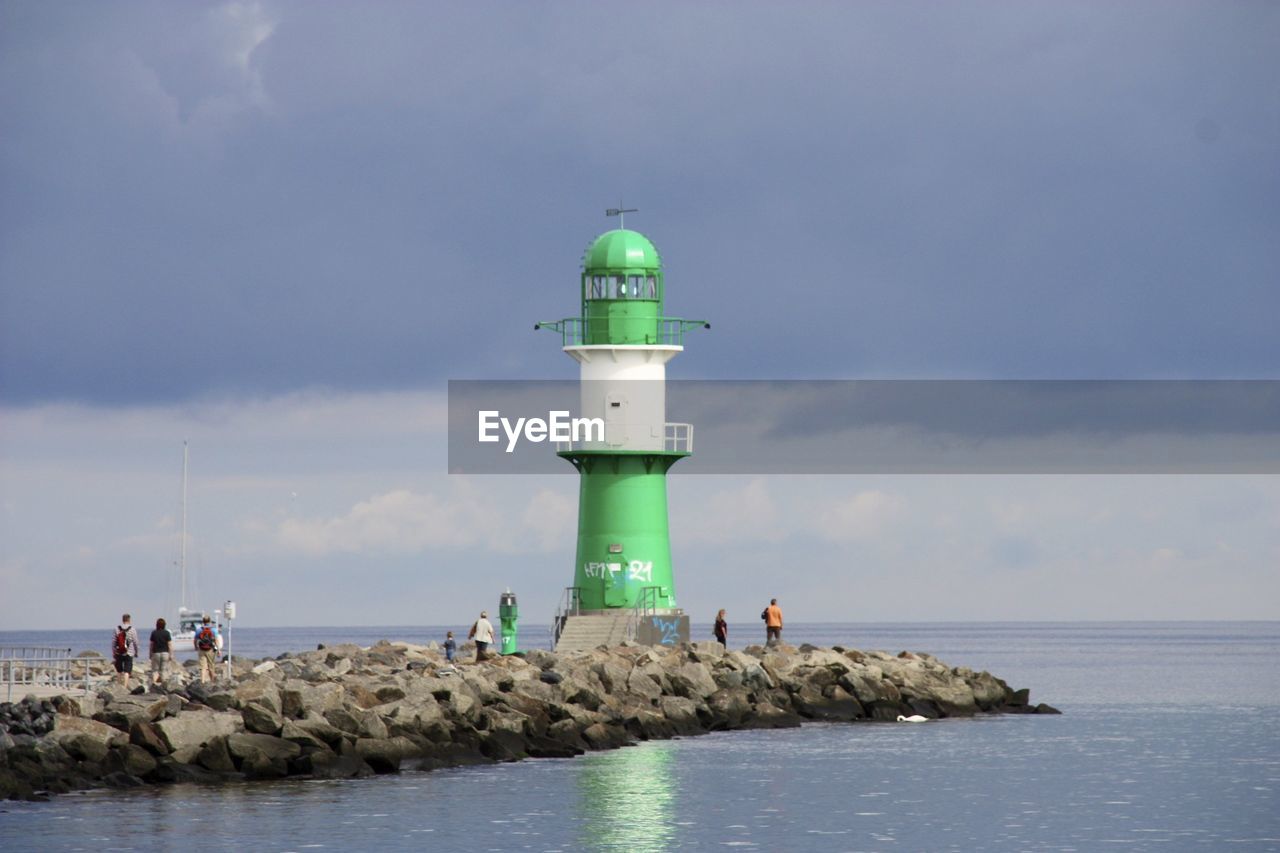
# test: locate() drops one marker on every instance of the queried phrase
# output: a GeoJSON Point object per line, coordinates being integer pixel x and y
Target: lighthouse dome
{"type": "Point", "coordinates": [621, 251]}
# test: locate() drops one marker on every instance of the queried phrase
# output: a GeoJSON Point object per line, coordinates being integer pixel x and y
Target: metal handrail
{"type": "Point", "coordinates": [678, 437]}
{"type": "Point", "coordinates": [669, 332]}
{"type": "Point", "coordinates": [646, 605]}
{"type": "Point", "coordinates": [570, 604]}
{"type": "Point", "coordinates": [31, 666]}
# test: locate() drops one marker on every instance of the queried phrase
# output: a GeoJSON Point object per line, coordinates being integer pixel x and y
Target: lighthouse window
{"type": "Point", "coordinates": [652, 287]}
{"type": "Point", "coordinates": [597, 287]}
{"type": "Point", "coordinates": [619, 287]}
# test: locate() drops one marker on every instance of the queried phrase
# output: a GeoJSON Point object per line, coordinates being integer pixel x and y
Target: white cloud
{"type": "Point", "coordinates": [861, 516]}
{"type": "Point", "coordinates": [406, 522]}
{"type": "Point", "coordinates": [396, 522]}
{"type": "Point", "coordinates": [746, 514]}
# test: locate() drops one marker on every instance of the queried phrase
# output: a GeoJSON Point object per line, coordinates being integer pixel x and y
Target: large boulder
{"type": "Point", "coordinates": [357, 721]}
{"type": "Point", "coordinates": [728, 709]}
{"type": "Point", "coordinates": [334, 766]}
{"type": "Point", "coordinates": [78, 705]}
{"type": "Point", "coordinates": [316, 726]}
{"type": "Point", "coordinates": [293, 732]}
{"type": "Point", "coordinates": [692, 680]}
{"type": "Point", "coordinates": [241, 745]}
{"type": "Point", "coordinates": [215, 756]}
{"type": "Point", "coordinates": [641, 683]}
{"type": "Point", "coordinates": [123, 711]}
{"type": "Point", "coordinates": [86, 740]}
{"type": "Point", "coordinates": [868, 685]}
{"type": "Point", "coordinates": [260, 690]}
{"type": "Point", "coordinates": [146, 736]}
{"type": "Point", "coordinates": [131, 760]}
{"type": "Point", "coordinates": [261, 719]}
{"type": "Point", "coordinates": [384, 756]}
{"type": "Point", "coordinates": [186, 733]}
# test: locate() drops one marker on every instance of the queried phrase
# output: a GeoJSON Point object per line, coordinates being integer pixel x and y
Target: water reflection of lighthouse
{"type": "Point", "coordinates": [628, 799]}
{"type": "Point", "coordinates": [623, 585]}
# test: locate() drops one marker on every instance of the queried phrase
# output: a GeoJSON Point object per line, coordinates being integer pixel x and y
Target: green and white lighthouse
{"type": "Point", "coordinates": [623, 584]}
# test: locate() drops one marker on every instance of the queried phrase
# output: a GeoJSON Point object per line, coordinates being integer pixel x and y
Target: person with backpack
{"type": "Point", "coordinates": [124, 648]}
{"type": "Point", "coordinates": [206, 644]}
{"type": "Point", "coordinates": [772, 617]}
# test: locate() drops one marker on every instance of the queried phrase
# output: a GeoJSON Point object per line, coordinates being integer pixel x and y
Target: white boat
{"type": "Point", "coordinates": [189, 620]}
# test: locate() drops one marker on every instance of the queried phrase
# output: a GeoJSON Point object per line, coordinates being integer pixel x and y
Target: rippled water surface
{"type": "Point", "coordinates": [1167, 742]}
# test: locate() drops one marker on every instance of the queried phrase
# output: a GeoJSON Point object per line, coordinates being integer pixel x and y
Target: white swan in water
{"type": "Point", "coordinates": [914, 718]}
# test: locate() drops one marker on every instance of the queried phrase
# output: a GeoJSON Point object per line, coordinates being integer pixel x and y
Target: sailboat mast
{"type": "Point", "coordinates": [183, 560]}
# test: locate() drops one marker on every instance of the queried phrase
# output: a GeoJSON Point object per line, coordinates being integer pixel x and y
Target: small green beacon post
{"type": "Point", "coordinates": [508, 615]}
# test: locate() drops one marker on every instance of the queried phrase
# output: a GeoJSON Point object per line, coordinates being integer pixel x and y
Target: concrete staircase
{"type": "Point", "coordinates": [588, 630]}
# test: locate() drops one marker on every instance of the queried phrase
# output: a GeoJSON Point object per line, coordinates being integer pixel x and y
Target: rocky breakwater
{"type": "Point", "coordinates": [347, 711]}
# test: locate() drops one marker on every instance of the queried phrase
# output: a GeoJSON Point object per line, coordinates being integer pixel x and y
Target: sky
{"type": "Point", "coordinates": [277, 230]}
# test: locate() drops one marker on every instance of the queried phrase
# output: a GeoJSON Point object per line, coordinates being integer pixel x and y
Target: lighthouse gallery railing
{"type": "Point", "coordinates": [668, 332]}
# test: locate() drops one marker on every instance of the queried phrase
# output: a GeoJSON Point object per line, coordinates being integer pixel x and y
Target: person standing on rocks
{"type": "Point", "coordinates": [482, 633]}
{"type": "Point", "coordinates": [722, 629]}
{"type": "Point", "coordinates": [450, 646]}
{"type": "Point", "coordinates": [124, 648]}
{"type": "Point", "coordinates": [161, 651]}
{"type": "Point", "coordinates": [772, 623]}
{"type": "Point", "coordinates": [206, 644]}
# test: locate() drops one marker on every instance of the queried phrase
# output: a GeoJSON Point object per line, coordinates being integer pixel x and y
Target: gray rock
{"type": "Point", "coordinates": [331, 766]}
{"type": "Point", "coordinates": [260, 719]}
{"type": "Point", "coordinates": [215, 756]}
{"type": "Point", "coordinates": [384, 756]}
{"type": "Point", "coordinates": [293, 732]}
{"type": "Point", "coordinates": [87, 740]}
{"type": "Point", "coordinates": [728, 708]}
{"type": "Point", "coordinates": [123, 711]}
{"type": "Point", "coordinates": [242, 745]}
{"type": "Point", "coordinates": [602, 736]}
{"type": "Point", "coordinates": [131, 760]}
{"type": "Point", "coordinates": [192, 729]}
{"type": "Point", "coordinates": [318, 727]}
{"type": "Point", "coordinates": [357, 721]}
{"type": "Point", "coordinates": [261, 691]}
{"type": "Point", "coordinates": [693, 681]}
{"type": "Point", "coordinates": [146, 736]}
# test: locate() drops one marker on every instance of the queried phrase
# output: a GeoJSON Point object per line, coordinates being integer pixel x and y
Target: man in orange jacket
{"type": "Point", "coordinates": [772, 622]}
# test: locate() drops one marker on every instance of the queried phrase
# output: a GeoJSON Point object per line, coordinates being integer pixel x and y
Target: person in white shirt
{"type": "Point", "coordinates": [482, 633]}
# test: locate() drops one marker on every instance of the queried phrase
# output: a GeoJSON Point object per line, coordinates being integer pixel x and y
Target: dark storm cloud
{"type": "Point", "coordinates": [261, 197]}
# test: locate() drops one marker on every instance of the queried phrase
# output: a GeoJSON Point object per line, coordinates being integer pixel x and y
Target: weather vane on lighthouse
{"type": "Point", "coordinates": [621, 212]}
{"type": "Point", "coordinates": [623, 586]}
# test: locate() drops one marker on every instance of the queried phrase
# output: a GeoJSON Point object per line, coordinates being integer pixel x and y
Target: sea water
{"type": "Point", "coordinates": [1167, 742]}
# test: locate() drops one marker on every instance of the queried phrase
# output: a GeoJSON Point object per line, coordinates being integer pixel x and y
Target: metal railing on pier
{"type": "Point", "coordinates": [646, 605]}
{"type": "Point", "coordinates": [25, 667]}
{"type": "Point", "coordinates": [570, 605]}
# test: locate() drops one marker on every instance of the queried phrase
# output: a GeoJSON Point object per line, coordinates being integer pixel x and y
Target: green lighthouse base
{"type": "Point", "coordinates": [623, 558]}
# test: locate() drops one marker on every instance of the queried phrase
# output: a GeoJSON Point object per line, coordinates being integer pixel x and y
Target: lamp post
{"type": "Point", "coordinates": [229, 610]}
